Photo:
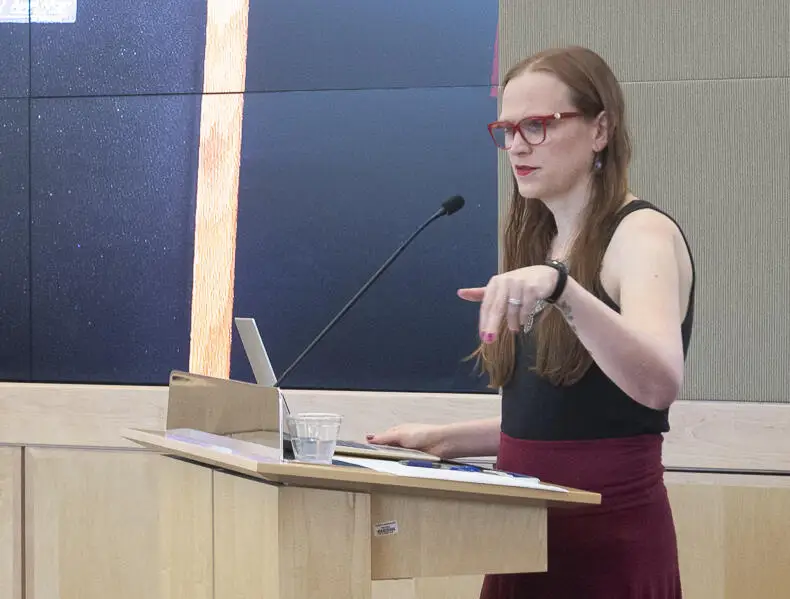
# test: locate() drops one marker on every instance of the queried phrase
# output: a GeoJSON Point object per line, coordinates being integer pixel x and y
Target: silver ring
{"type": "Point", "coordinates": [514, 301]}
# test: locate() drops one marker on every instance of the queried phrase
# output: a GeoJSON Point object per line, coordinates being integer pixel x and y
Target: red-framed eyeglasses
{"type": "Point", "coordinates": [532, 129]}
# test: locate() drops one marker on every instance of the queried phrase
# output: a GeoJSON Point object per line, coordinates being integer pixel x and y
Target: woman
{"type": "Point", "coordinates": [585, 331]}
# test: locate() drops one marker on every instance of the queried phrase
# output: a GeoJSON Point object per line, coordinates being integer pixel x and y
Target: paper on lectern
{"type": "Point", "coordinates": [392, 467]}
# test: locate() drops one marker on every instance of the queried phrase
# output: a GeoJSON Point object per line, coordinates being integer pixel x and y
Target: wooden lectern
{"type": "Point", "coordinates": [281, 529]}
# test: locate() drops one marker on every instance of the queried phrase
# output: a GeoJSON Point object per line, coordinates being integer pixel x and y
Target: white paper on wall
{"type": "Point", "coordinates": [38, 11]}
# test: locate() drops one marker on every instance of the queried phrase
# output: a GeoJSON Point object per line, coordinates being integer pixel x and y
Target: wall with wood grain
{"type": "Point", "coordinates": [80, 505]}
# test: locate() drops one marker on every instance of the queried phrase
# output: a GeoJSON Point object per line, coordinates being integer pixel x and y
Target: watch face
{"type": "Point", "coordinates": [557, 264]}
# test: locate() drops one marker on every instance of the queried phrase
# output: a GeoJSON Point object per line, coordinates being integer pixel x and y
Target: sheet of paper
{"type": "Point", "coordinates": [392, 467]}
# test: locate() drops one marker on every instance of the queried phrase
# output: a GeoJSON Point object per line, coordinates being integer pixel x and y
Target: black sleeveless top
{"type": "Point", "coordinates": [592, 408]}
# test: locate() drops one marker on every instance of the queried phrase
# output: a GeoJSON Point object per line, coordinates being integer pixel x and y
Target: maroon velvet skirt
{"type": "Point", "coordinates": [624, 548]}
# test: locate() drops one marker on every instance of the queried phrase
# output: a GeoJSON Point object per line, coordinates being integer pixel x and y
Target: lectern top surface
{"type": "Point", "coordinates": [258, 461]}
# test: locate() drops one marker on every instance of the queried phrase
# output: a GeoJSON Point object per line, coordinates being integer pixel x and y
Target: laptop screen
{"type": "Point", "coordinates": [256, 352]}
{"type": "Point", "coordinates": [257, 356]}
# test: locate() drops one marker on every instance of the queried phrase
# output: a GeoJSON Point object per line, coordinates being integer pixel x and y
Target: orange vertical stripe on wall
{"type": "Point", "coordinates": [218, 185]}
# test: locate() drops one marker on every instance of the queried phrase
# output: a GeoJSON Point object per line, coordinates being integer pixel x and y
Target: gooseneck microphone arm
{"type": "Point", "coordinates": [449, 206]}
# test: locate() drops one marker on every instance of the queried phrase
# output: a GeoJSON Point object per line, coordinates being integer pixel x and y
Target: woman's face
{"type": "Point", "coordinates": [559, 162]}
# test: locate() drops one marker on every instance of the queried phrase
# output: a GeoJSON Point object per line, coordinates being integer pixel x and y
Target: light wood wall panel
{"type": "Point", "coordinates": [88, 415]}
{"type": "Point", "coordinates": [299, 542]}
{"type": "Point", "coordinates": [708, 91]}
{"type": "Point", "coordinates": [705, 434]}
{"type": "Point", "coordinates": [439, 587]}
{"type": "Point", "coordinates": [98, 521]}
{"type": "Point", "coordinates": [97, 511]}
{"type": "Point", "coordinates": [11, 522]}
{"type": "Point", "coordinates": [97, 526]}
{"type": "Point", "coordinates": [732, 534]}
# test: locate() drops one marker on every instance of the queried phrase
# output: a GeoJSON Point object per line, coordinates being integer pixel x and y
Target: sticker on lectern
{"type": "Point", "coordinates": [385, 529]}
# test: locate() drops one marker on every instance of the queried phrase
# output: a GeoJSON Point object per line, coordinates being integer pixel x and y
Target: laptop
{"type": "Point", "coordinates": [264, 375]}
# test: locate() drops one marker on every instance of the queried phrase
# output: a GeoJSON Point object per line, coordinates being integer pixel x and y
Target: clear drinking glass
{"type": "Point", "coordinates": [314, 436]}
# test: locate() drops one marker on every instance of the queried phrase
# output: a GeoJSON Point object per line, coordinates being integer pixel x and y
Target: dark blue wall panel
{"type": "Point", "coordinates": [14, 242]}
{"type": "Point", "coordinates": [331, 184]}
{"type": "Point", "coordinates": [113, 204]}
{"type": "Point", "coordinates": [364, 44]}
{"type": "Point", "coordinates": [121, 47]}
{"type": "Point", "coordinates": [14, 50]}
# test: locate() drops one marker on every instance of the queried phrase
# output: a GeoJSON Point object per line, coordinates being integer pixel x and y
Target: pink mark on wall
{"type": "Point", "coordinates": [495, 66]}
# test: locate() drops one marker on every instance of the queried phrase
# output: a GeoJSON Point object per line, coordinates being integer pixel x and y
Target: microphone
{"type": "Point", "coordinates": [449, 206]}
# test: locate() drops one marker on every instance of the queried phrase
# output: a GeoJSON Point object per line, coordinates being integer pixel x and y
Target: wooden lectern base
{"type": "Point", "coordinates": [256, 526]}
{"type": "Point", "coordinates": [302, 542]}
{"type": "Point", "coordinates": [274, 541]}
{"type": "Point", "coordinates": [298, 531]}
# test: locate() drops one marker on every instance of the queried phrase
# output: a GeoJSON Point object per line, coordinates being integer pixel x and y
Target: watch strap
{"type": "Point", "coordinates": [562, 279]}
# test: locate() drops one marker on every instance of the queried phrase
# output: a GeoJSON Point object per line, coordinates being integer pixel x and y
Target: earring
{"type": "Point", "coordinates": [598, 164]}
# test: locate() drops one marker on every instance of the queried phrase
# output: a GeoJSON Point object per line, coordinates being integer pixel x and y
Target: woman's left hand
{"type": "Point", "coordinates": [511, 295]}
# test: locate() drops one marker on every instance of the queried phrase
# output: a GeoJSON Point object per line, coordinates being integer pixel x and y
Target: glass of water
{"type": "Point", "coordinates": [314, 436]}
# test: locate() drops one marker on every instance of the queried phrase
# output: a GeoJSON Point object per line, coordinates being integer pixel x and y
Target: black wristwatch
{"type": "Point", "coordinates": [562, 269]}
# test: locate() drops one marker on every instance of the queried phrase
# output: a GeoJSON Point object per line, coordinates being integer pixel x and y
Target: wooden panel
{"type": "Point", "coordinates": [456, 587]}
{"type": "Point", "coordinates": [324, 544]}
{"type": "Point", "coordinates": [720, 434]}
{"type": "Point", "coordinates": [11, 522]}
{"type": "Point", "coordinates": [699, 521]}
{"type": "Point", "coordinates": [394, 589]}
{"type": "Point", "coordinates": [732, 534]}
{"type": "Point", "coordinates": [423, 537]}
{"type": "Point", "coordinates": [97, 518]}
{"type": "Point", "coordinates": [85, 415]}
{"type": "Point", "coordinates": [96, 525]}
{"type": "Point", "coordinates": [290, 543]}
{"type": "Point", "coordinates": [353, 479]}
{"type": "Point", "coordinates": [184, 565]}
{"type": "Point", "coordinates": [246, 536]}
{"type": "Point", "coordinates": [705, 434]}
{"type": "Point", "coordinates": [369, 411]}
{"type": "Point", "coordinates": [440, 587]}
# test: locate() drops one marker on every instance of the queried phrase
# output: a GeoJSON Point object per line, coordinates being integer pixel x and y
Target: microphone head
{"type": "Point", "coordinates": [453, 205]}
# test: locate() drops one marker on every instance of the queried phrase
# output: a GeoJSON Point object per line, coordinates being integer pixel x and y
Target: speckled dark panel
{"type": "Point", "coordinates": [14, 49]}
{"type": "Point", "coordinates": [364, 44]}
{"type": "Point", "coordinates": [121, 47]}
{"type": "Point", "coordinates": [113, 204]}
{"type": "Point", "coordinates": [331, 184]}
{"type": "Point", "coordinates": [14, 242]}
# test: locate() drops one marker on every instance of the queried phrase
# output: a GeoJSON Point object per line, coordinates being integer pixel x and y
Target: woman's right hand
{"type": "Point", "coordinates": [429, 438]}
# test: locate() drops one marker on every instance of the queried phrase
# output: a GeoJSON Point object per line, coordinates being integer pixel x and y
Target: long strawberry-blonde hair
{"type": "Point", "coordinates": [530, 227]}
